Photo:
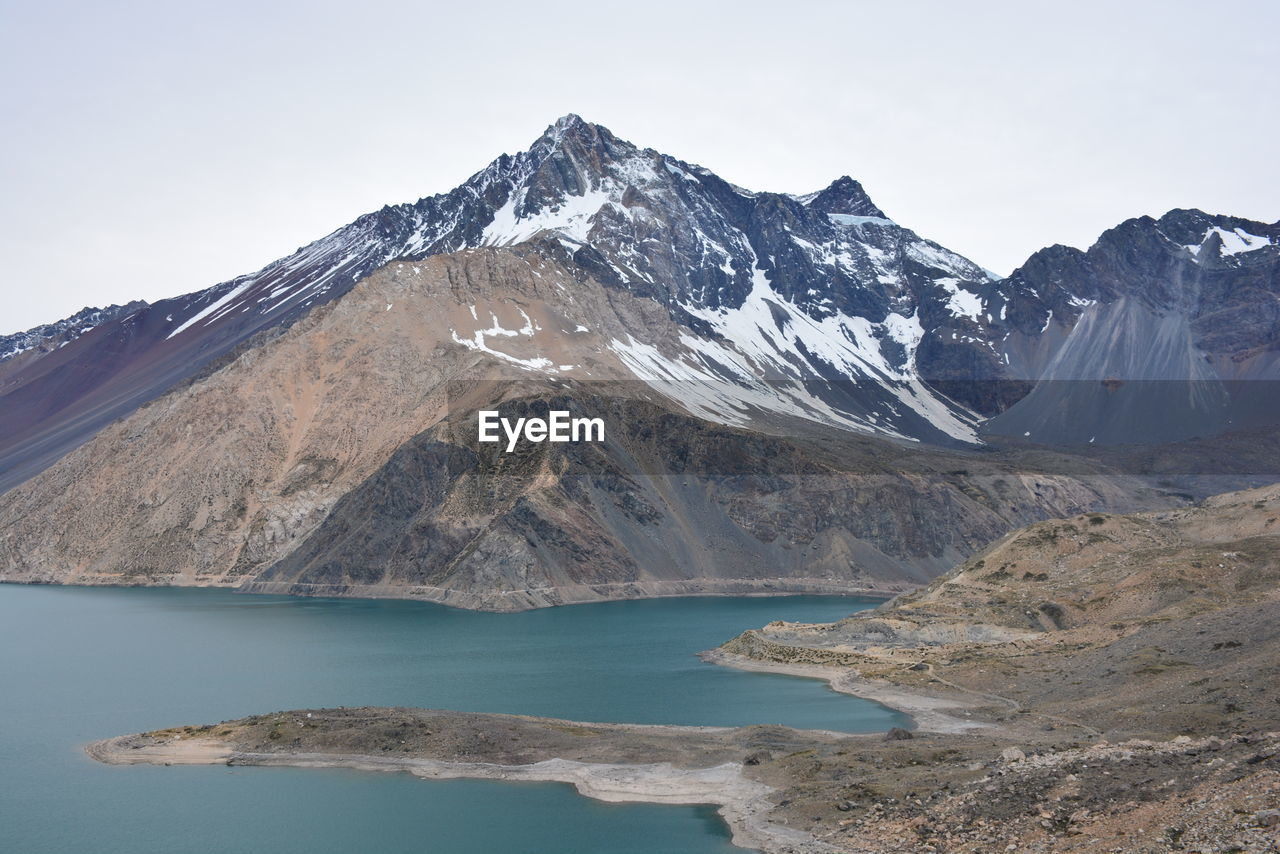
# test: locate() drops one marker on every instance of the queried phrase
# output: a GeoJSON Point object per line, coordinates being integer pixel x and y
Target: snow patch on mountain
{"type": "Point", "coordinates": [960, 302]}
{"type": "Point", "coordinates": [852, 220]}
{"type": "Point", "coordinates": [1233, 242]}
{"type": "Point", "coordinates": [765, 353]}
{"type": "Point", "coordinates": [211, 309]}
{"type": "Point", "coordinates": [571, 217]}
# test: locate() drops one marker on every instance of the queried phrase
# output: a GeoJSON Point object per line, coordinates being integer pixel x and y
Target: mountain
{"type": "Point", "coordinates": [340, 457]}
{"type": "Point", "coordinates": [821, 380]}
{"type": "Point", "coordinates": [840, 290]}
{"type": "Point", "coordinates": [1162, 330]}
{"type": "Point", "coordinates": [817, 306]}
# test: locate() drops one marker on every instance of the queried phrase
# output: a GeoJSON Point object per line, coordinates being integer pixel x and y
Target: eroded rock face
{"type": "Point", "coordinates": [1163, 330]}
{"type": "Point", "coordinates": [591, 521]}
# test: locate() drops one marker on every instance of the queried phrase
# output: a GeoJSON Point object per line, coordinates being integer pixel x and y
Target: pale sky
{"type": "Point", "coordinates": [154, 148]}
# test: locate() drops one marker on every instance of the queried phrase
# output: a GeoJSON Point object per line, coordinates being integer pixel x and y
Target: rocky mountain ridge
{"type": "Point", "coordinates": [636, 219]}
{"type": "Point", "coordinates": [51, 336]}
{"type": "Point", "coordinates": [816, 306]}
{"type": "Point", "coordinates": [1163, 330]}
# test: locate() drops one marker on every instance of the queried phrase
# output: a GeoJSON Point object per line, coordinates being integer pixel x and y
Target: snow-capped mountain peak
{"type": "Point", "coordinates": [853, 296]}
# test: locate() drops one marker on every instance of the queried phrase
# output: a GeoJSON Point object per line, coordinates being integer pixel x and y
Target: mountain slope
{"type": "Point", "coordinates": [340, 457]}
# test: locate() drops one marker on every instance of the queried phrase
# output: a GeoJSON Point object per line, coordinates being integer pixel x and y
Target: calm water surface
{"type": "Point", "coordinates": [78, 664]}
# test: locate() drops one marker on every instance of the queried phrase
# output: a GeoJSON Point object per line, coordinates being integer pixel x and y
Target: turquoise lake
{"type": "Point", "coordinates": [79, 664]}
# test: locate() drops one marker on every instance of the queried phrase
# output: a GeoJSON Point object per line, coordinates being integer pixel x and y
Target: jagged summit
{"type": "Point", "coordinates": [574, 127]}
{"type": "Point", "coordinates": [1190, 226]}
{"type": "Point", "coordinates": [569, 121]}
{"type": "Point", "coordinates": [843, 196]}
{"type": "Point", "coordinates": [591, 146]}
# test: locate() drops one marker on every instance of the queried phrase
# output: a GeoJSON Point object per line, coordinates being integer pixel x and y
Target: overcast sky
{"type": "Point", "coordinates": [151, 149]}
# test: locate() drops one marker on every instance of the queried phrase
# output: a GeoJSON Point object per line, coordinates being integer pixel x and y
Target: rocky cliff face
{"type": "Point", "coordinates": [667, 505]}
{"type": "Point", "coordinates": [1163, 330]}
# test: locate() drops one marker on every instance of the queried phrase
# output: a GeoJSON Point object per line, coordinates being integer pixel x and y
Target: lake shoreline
{"type": "Point", "coordinates": [778, 790]}
{"type": "Point", "coordinates": [675, 778]}
{"type": "Point", "coordinates": [927, 709]}
{"type": "Point", "coordinates": [165, 655]}
{"type": "Point", "coordinates": [740, 802]}
{"type": "Point", "coordinates": [519, 601]}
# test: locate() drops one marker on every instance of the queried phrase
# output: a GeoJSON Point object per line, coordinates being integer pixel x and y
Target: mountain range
{"type": "Point", "coordinates": [800, 393]}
